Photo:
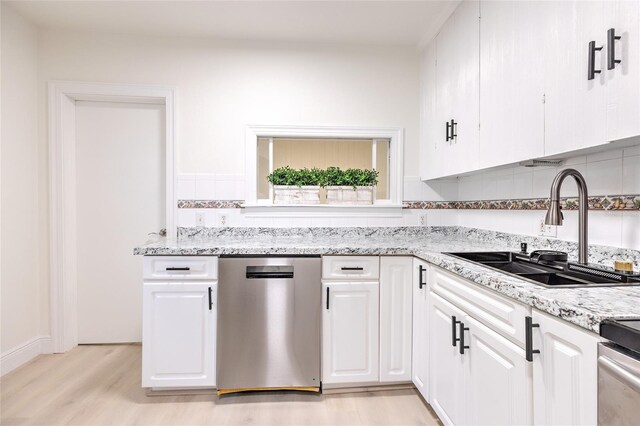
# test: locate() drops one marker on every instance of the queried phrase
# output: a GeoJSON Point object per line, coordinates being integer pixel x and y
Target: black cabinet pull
{"type": "Point", "coordinates": [210, 299]}
{"type": "Point", "coordinates": [421, 282]}
{"type": "Point", "coordinates": [462, 345]}
{"type": "Point", "coordinates": [352, 268]}
{"type": "Point", "coordinates": [592, 71]}
{"type": "Point", "coordinates": [611, 49]}
{"type": "Point", "coordinates": [454, 325]}
{"type": "Point", "coordinates": [448, 128]}
{"type": "Point", "coordinates": [173, 268]}
{"type": "Point", "coordinates": [454, 126]}
{"type": "Point", "coordinates": [327, 298]}
{"type": "Point", "coordinates": [528, 330]}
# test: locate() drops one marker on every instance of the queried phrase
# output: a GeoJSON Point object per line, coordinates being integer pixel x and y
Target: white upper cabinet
{"type": "Point", "coordinates": [432, 129]}
{"type": "Point", "coordinates": [623, 81]}
{"type": "Point", "coordinates": [350, 332]}
{"type": "Point", "coordinates": [511, 82]}
{"type": "Point", "coordinates": [574, 105]}
{"type": "Point", "coordinates": [453, 125]}
{"type": "Point", "coordinates": [395, 318]}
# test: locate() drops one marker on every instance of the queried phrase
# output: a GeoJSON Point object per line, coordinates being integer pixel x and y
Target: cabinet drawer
{"type": "Point", "coordinates": [499, 313]}
{"type": "Point", "coordinates": [180, 267]}
{"type": "Point", "coordinates": [350, 267]}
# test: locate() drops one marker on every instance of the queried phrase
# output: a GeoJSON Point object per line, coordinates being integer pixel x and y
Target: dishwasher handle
{"type": "Point", "coordinates": [620, 371]}
{"type": "Point", "coordinates": [269, 272]}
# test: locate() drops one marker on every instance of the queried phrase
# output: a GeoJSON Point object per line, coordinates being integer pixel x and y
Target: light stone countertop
{"type": "Point", "coordinates": [585, 307]}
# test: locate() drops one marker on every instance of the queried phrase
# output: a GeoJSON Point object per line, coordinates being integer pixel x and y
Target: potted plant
{"type": "Point", "coordinates": [296, 186]}
{"type": "Point", "coordinates": [350, 186]}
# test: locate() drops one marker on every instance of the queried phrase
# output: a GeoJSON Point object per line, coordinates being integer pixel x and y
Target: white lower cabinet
{"type": "Point", "coordinates": [446, 365]}
{"type": "Point", "coordinates": [350, 332]}
{"type": "Point", "coordinates": [179, 334]}
{"type": "Point", "coordinates": [395, 318]}
{"type": "Point", "coordinates": [420, 349]}
{"type": "Point", "coordinates": [498, 378]}
{"type": "Point", "coordinates": [565, 373]}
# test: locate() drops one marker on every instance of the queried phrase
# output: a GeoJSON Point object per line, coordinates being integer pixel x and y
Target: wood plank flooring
{"type": "Point", "coordinates": [100, 385]}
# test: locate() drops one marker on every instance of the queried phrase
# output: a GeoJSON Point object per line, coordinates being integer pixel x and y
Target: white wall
{"type": "Point", "coordinates": [612, 172]}
{"type": "Point", "coordinates": [23, 254]}
{"type": "Point", "coordinates": [222, 87]}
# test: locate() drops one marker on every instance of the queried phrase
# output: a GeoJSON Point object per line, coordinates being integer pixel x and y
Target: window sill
{"type": "Point", "coordinates": [322, 210]}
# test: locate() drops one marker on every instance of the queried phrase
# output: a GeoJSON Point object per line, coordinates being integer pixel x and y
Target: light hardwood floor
{"type": "Point", "coordinates": [100, 385]}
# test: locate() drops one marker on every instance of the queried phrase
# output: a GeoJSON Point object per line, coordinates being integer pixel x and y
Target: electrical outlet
{"type": "Point", "coordinates": [423, 219]}
{"type": "Point", "coordinates": [200, 219]}
{"type": "Point", "coordinates": [223, 220]}
{"type": "Point", "coordinates": [545, 230]}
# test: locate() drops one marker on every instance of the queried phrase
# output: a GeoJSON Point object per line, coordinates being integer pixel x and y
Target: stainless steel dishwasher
{"type": "Point", "coordinates": [269, 318]}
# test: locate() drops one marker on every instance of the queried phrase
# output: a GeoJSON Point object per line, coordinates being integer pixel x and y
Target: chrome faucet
{"type": "Point", "coordinates": [555, 217]}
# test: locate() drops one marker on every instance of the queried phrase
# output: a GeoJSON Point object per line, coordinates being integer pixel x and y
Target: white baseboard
{"type": "Point", "coordinates": [21, 354]}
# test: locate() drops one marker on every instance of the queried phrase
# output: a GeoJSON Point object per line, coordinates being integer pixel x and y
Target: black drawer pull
{"type": "Point", "coordinates": [182, 268]}
{"type": "Point", "coordinates": [352, 268]}
{"type": "Point", "coordinates": [611, 49]}
{"type": "Point", "coordinates": [462, 345]}
{"type": "Point", "coordinates": [454, 325]}
{"type": "Point", "coordinates": [328, 298]}
{"type": "Point", "coordinates": [210, 299]}
{"type": "Point", "coordinates": [528, 330]}
{"type": "Point", "coordinates": [421, 271]}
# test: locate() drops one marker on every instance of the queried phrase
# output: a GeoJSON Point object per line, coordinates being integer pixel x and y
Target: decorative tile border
{"type": "Point", "coordinates": [605, 202]}
{"type": "Point", "coordinates": [210, 204]}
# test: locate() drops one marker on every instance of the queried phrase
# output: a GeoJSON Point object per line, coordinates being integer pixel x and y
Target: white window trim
{"type": "Point", "coordinates": [392, 206]}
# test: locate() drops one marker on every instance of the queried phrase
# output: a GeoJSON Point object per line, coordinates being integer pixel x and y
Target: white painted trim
{"type": "Point", "coordinates": [396, 150]}
{"type": "Point", "coordinates": [62, 197]}
{"type": "Point", "coordinates": [324, 211]}
{"type": "Point", "coordinates": [21, 354]}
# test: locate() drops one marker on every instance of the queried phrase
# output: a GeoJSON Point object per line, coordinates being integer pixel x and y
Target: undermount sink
{"type": "Point", "coordinates": [552, 274]}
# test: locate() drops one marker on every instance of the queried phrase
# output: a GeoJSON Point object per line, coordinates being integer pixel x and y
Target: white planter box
{"type": "Point", "coordinates": [284, 194]}
{"type": "Point", "coordinates": [347, 195]}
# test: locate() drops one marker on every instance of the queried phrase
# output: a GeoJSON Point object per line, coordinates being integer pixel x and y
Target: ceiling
{"type": "Point", "coordinates": [390, 23]}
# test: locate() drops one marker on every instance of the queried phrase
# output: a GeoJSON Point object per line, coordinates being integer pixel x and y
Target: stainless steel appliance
{"type": "Point", "coordinates": [269, 316]}
{"type": "Point", "coordinates": [619, 373]}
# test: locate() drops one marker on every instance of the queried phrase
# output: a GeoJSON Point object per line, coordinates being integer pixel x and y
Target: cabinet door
{"type": "Point", "coordinates": [395, 318]}
{"type": "Point", "coordinates": [574, 105]}
{"type": "Point", "coordinates": [350, 332]}
{"type": "Point", "coordinates": [446, 365]}
{"type": "Point", "coordinates": [431, 126]}
{"type": "Point", "coordinates": [511, 82]}
{"type": "Point", "coordinates": [565, 373]}
{"type": "Point", "coordinates": [179, 334]}
{"type": "Point", "coordinates": [623, 82]}
{"type": "Point", "coordinates": [499, 379]}
{"type": "Point", "coordinates": [420, 351]}
{"type": "Point", "coordinates": [457, 90]}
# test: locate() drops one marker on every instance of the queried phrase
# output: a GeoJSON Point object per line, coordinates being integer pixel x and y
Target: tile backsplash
{"type": "Point", "coordinates": [612, 172]}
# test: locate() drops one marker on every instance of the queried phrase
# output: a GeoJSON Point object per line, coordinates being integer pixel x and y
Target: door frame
{"type": "Point", "coordinates": [62, 184]}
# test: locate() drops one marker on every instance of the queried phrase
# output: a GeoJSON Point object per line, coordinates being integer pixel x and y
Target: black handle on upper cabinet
{"type": "Point", "coordinates": [210, 299]}
{"type": "Point", "coordinates": [611, 49]}
{"type": "Point", "coordinates": [350, 268]}
{"type": "Point", "coordinates": [421, 282]}
{"type": "Point", "coordinates": [528, 337]}
{"type": "Point", "coordinates": [454, 323]}
{"type": "Point", "coordinates": [454, 126]}
{"type": "Point", "coordinates": [186, 268]}
{"type": "Point", "coordinates": [462, 345]}
{"type": "Point", "coordinates": [327, 298]}
{"type": "Point", "coordinates": [448, 129]}
{"type": "Point", "coordinates": [592, 71]}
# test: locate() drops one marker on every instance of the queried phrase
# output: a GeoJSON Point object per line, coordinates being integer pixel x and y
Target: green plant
{"type": "Point", "coordinates": [297, 177]}
{"type": "Point", "coordinates": [351, 177]}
